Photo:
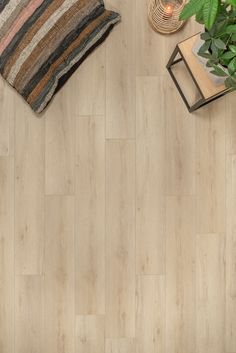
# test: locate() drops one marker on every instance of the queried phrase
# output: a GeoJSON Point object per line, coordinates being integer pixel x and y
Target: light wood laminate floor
{"type": "Point", "coordinates": [118, 209]}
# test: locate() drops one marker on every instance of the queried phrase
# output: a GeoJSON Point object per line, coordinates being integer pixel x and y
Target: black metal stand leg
{"type": "Point", "coordinates": [173, 56]}
{"type": "Point", "coordinates": [176, 61]}
{"type": "Point", "coordinates": [179, 88]}
{"type": "Point", "coordinates": [197, 105]}
{"type": "Point", "coordinates": [169, 65]}
{"type": "Point", "coordinates": [204, 102]}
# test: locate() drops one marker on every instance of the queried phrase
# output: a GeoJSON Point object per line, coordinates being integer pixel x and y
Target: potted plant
{"type": "Point", "coordinates": [219, 37]}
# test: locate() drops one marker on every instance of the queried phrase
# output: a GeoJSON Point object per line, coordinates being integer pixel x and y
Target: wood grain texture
{"type": "Point", "coordinates": [180, 145]}
{"type": "Point", "coordinates": [59, 268]}
{"type": "Point", "coordinates": [122, 345]}
{"type": "Point", "coordinates": [120, 74]}
{"type": "Point", "coordinates": [150, 176]}
{"type": "Point", "coordinates": [150, 318]}
{"type": "Point", "coordinates": [90, 334]}
{"type": "Point", "coordinates": [149, 45]}
{"type": "Point", "coordinates": [230, 123]}
{"type": "Point", "coordinates": [231, 255]}
{"type": "Point", "coordinates": [90, 211]}
{"type": "Point", "coordinates": [105, 202]}
{"type": "Point", "coordinates": [210, 135]}
{"type": "Point", "coordinates": [120, 239]}
{"type": "Point", "coordinates": [59, 147]}
{"type": "Point", "coordinates": [180, 274]}
{"type": "Point", "coordinates": [7, 97]}
{"type": "Point", "coordinates": [6, 255]}
{"type": "Point", "coordinates": [210, 293]}
{"type": "Point", "coordinates": [29, 192]}
{"type": "Point", "coordinates": [91, 84]}
{"type": "Point", "coordinates": [28, 314]}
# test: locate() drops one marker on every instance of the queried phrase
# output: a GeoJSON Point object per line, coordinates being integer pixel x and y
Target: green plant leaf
{"type": "Point", "coordinates": [232, 66]}
{"type": "Point", "coordinates": [199, 17]}
{"type": "Point", "coordinates": [230, 83]}
{"type": "Point", "coordinates": [210, 10]}
{"type": "Point", "coordinates": [228, 55]}
{"type": "Point", "coordinates": [231, 29]}
{"type": "Point", "coordinates": [214, 72]}
{"type": "Point", "coordinates": [205, 55]}
{"type": "Point", "coordinates": [205, 36]}
{"type": "Point", "coordinates": [215, 50]}
{"type": "Point", "coordinates": [233, 48]}
{"type": "Point", "coordinates": [211, 63]}
{"type": "Point", "coordinates": [205, 47]}
{"type": "Point", "coordinates": [221, 25]}
{"type": "Point", "coordinates": [219, 43]}
{"type": "Point", "coordinates": [218, 71]}
{"type": "Point", "coordinates": [191, 8]}
{"type": "Point", "coordinates": [232, 2]}
{"type": "Point", "coordinates": [233, 38]}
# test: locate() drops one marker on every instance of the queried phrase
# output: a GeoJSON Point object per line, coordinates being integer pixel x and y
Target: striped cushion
{"type": "Point", "coordinates": [42, 42]}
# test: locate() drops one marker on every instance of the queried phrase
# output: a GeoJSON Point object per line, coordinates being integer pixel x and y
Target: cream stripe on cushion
{"type": "Point", "coordinates": [8, 10]}
{"type": "Point", "coordinates": [38, 37]}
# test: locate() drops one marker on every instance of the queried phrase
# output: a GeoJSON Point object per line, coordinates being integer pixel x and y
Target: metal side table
{"type": "Point", "coordinates": [207, 89]}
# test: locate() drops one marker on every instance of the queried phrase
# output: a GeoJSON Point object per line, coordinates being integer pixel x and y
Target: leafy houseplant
{"type": "Point", "coordinates": [219, 48]}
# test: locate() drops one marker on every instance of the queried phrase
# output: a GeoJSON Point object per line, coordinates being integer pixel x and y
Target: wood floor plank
{"type": "Point", "coordinates": [122, 345]}
{"type": "Point", "coordinates": [6, 255]}
{"type": "Point", "coordinates": [180, 275]}
{"type": "Point", "coordinates": [29, 191]}
{"type": "Point", "coordinates": [59, 147]}
{"type": "Point", "coordinates": [231, 256]}
{"type": "Point", "coordinates": [230, 123]}
{"type": "Point", "coordinates": [92, 84]}
{"type": "Point", "coordinates": [59, 268]}
{"type": "Point", "coordinates": [6, 119]}
{"type": "Point", "coordinates": [90, 334]}
{"type": "Point", "coordinates": [210, 293]}
{"type": "Point", "coordinates": [120, 239]}
{"type": "Point", "coordinates": [149, 44]}
{"type": "Point", "coordinates": [90, 211]}
{"type": "Point", "coordinates": [150, 176]}
{"type": "Point", "coordinates": [210, 190]}
{"type": "Point", "coordinates": [28, 314]}
{"type": "Point", "coordinates": [150, 318]}
{"type": "Point", "coordinates": [120, 73]}
{"type": "Point", "coordinates": [180, 145]}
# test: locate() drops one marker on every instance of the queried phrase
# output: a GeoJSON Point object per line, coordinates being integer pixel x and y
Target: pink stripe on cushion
{"type": "Point", "coordinates": [24, 16]}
